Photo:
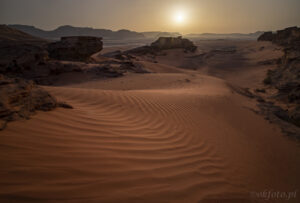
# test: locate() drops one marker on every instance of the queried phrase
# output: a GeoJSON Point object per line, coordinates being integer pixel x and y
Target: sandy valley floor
{"type": "Point", "coordinates": [179, 134]}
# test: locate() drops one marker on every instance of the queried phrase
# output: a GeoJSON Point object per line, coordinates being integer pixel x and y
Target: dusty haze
{"type": "Point", "coordinates": [153, 15]}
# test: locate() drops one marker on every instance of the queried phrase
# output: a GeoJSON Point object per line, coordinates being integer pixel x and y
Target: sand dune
{"type": "Point", "coordinates": [172, 136]}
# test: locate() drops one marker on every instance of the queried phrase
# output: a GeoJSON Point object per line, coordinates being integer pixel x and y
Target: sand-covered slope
{"type": "Point", "coordinates": [177, 136]}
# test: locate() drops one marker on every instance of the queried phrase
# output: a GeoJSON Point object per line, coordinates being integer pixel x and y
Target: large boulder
{"type": "Point", "coordinates": [77, 48]}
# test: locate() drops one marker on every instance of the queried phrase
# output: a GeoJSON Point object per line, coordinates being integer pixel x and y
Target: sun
{"type": "Point", "coordinates": [179, 17]}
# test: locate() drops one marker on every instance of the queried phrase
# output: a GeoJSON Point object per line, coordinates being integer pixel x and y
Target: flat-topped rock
{"type": "Point", "coordinates": [75, 48]}
{"type": "Point", "coordinates": [164, 43]}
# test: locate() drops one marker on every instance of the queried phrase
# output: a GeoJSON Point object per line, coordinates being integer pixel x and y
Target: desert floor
{"type": "Point", "coordinates": [179, 134]}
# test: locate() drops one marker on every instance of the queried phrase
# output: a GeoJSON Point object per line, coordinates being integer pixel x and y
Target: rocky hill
{"type": "Point", "coordinates": [13, 35]}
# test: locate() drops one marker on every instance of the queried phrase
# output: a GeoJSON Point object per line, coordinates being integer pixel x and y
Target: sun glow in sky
{"type": "Point", "coordinates": [184, 16]}
{"type": "Point", "coordinates": [179, 17]}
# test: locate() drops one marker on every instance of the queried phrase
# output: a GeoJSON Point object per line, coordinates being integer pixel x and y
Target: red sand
{"type": "Point", "coordinates": [172, 136]}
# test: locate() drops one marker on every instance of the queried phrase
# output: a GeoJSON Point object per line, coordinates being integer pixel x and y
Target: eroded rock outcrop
{"type": "Point", "coordinates": [19, 50]}
{"type": "Point", "coordinates": [20, 99]}
{"type": "Point", "coordinates": [23, 57]}
{"type": "Point", "coordinates": [287, 37]}
{"type": "Point", "coordinates": [164, 43]}
{"type": "Point", "coordinates": [18, 57]}
{"type": "Point", "coordinates": [77, 48]}
{"type": "Point", "coordinates": [286, 77]}
{"type": "Point", "coordinates": [267, 36]}
{"type": "Point", "coordinates": [27, 57]}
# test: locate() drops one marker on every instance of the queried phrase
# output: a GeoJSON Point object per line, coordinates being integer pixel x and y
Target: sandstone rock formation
{"type": "Point", "coordinates": [122, 62]}
{"type": "Point", "coordinates": [286, 77]}
{"type": "Point", "coordinates": [20, 99]}
{"type": "Point", "coordinates": [77, 48]}
{"type": "Point", "coordinates": [27, 57]}
{"type": "Point", "coordinates": [287, 37]}
{"type": "Point", "coordinates": [17, 57]}
{"type": "Point", "coordinates": [22, 56]}
{"type": "Point", "coordinates": [267, 36]}
{"type": "Point", "coordinates": [165, 43]}
{"type": "Point", "coordinates": [19, 50]}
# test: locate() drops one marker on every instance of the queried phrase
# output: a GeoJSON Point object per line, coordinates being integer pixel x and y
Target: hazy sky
{"type": "Point", "coordinates": [185, 16]}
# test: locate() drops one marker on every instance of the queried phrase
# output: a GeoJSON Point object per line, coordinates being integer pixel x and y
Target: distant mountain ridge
{"type": "Point", "coordinates": [68, 30]}
{"type": "Point", "coordinates": [252, 36]}
{"type": "Point", "coordinates": [123, 34]}
{"type": "Point", "coordinates": [158, 34]}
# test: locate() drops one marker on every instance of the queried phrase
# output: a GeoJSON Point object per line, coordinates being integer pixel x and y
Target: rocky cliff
{"type": "Point", "coordinates": [286, 77]}
{"type": "Point", "coordinates": [287, 37]}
